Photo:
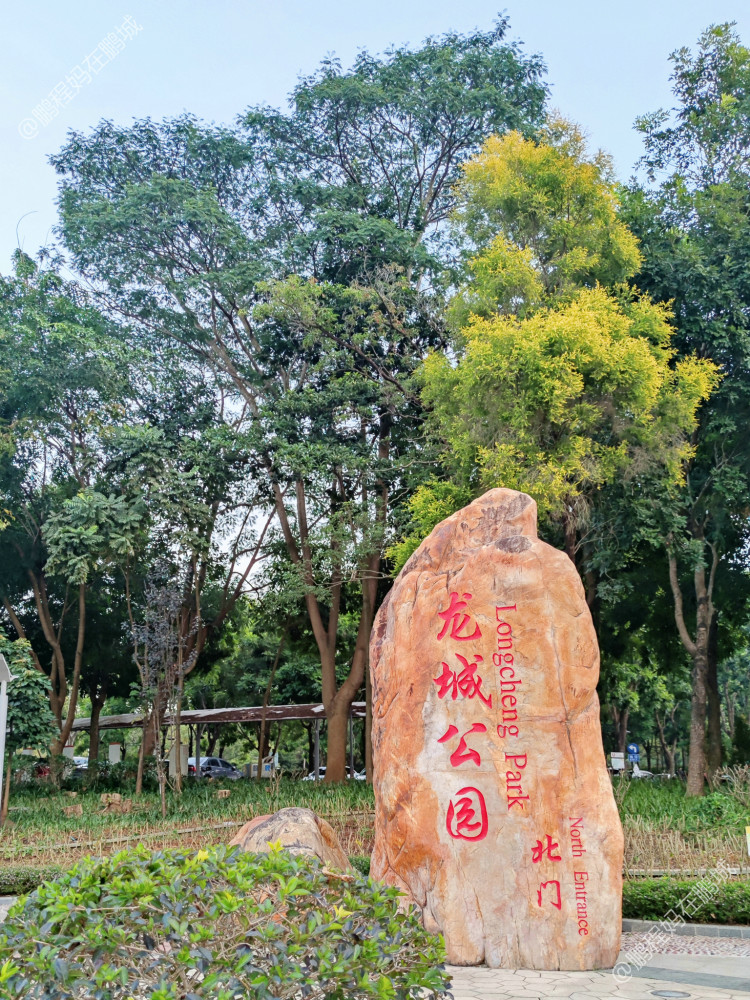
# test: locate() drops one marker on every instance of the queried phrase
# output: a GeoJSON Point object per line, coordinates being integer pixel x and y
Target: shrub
{"type": "Point", "coordinates": [218, 925]}
{"type": "Point", "coordinates": [361, 862]}
{"type": "Point", "coordinates": [653, 898]}
{"type": "Point", "coordinates": [17, 879]}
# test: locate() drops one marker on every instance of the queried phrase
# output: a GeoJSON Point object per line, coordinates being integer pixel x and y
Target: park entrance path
{"type": "Point", "coordinates": [697, 977]}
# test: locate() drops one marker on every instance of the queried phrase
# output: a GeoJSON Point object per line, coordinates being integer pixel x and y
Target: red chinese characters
{"type": "Point", "coordinates": [467, 815]}
{"type": "Point", "coordinates": [539, 850]}
{"type": "Point", "coordinates": [466, 818]}
{"type": "Point", "coordinates": [465, 681]}
{"type": "Point", "coordinates": [463, 753]}
{"type": "Point", "coordinates": [456, 620]}
{"type": "Point", "coordinates": [553, 893]}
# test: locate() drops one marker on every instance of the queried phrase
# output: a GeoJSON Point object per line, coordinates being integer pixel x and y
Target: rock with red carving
{"type": "Point", "coordinates": [494, 810]}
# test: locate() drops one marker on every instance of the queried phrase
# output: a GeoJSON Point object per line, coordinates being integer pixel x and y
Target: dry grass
{"type": "Point", "coordinates": [651, 849]}
{"type": "Point", "coordinates": [40, 833]}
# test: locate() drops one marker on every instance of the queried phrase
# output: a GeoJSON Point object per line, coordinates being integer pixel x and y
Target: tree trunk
{"type": "Point", "coordinates": [6, 796]}
{"type": "Point", "coordinates": [620, 717]}
{"type": "Point", "coordinates": [698, 648]}
{"type": "Point", "coordinates": [141, 758]}
{"type": "Point", "coordinates": [670, 752]}
{"type": "Point", "coordinates": [697, 750]}
{"type": "Point", "coordinates": [714, 748]}
{"type": "Point", "coordinates": [67, 723]}
{"type": "Point", "coordinates": [338, 725]}
{"type": "Point", "coordinates": [178, 734]}
{"type": "Point", "coordinates": [97, 704]}
{"type": "Point", "coordinates": [213, 736]}
{"type": "Point", "coordinates": [339, 708]}
{"type": "Point", "coordinates": [266, 699]}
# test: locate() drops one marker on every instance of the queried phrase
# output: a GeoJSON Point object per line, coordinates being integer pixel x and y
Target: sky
{"type": "Point", "coordinates": [607, 63]}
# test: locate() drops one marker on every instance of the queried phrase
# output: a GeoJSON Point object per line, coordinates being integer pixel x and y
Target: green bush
{"type": "Point", "coordinates": [17, 879]}
{"type": "Point", "coordinates": [361, 862]}
{"type": "Point", "coordinates": [213, 926]}
{"type": "Point", "coordinates": [653, 898]}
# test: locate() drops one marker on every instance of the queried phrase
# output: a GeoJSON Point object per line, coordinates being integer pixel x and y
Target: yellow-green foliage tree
{"type": "Point", "coordinates": [561, 403]}
{"type": "Point", "coordinates": [563, 379]}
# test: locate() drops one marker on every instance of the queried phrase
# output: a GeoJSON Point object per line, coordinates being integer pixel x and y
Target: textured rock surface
{"type": "Point", "coordinates": [494, 809]}
{"type": "Point", "coordinates": [300, 831]}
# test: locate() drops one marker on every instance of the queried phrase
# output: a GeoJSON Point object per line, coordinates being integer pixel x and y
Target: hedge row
{"type": "Point", "coordinates": [642, 899]}
{"type": "Point", "coordinates": [654, 898]}
{"type": "Point", "coordinates": [17, 879]}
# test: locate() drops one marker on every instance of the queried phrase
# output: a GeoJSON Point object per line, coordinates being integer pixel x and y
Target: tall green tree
{"type": "Point", "coordinates": [286, 255]}
{"type": "Point", "coordinates": [693, 224]}
{"type": "Point", "coordinates": [65, 382]}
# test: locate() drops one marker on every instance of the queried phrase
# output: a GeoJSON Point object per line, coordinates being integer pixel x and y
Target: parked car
{"type": "Point", "coordinates": [357, 775]}
{"type": "Point", "coordinates": [311, 775]}
{"type": "Point", "coordinates": [638, 773]}
{"type": "Point", "coordinates": [79, 769]}
{"type": "Point", "coordinates": [215, 767]}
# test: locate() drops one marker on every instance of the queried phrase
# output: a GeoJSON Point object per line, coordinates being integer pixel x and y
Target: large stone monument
{"type": "Point", "coordinates": [494, 811]}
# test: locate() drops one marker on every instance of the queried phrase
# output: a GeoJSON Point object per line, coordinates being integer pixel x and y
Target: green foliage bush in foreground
{"type": "Point", "coordinates": [214, 926]}
{"type": "Point", "coordinates": [653, 898]}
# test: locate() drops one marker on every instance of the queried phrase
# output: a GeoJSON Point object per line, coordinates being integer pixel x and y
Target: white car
{"type": "Point", "coordinates": [311, 775]}
{"type": "Point", "coordinates": [638, 773]}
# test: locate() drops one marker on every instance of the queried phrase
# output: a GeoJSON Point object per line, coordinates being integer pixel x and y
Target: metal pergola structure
{"type": "Point", "coordinates": [250, 713]}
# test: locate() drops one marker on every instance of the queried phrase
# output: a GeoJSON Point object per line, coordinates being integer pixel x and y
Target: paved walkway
{"type": "Point", "coordinates": [488, 984]}
{"type": "Point", "coordinates": [695, 967]}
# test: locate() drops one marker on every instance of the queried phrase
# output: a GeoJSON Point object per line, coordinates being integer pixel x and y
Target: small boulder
{"type": "Point", "coordinates": [299, 831]}
{"type": "Point", "coordinates": [74, 810]}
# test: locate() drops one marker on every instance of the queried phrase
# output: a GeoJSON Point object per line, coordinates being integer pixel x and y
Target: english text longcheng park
{"type": "Point", "coordinates": [374, 533]}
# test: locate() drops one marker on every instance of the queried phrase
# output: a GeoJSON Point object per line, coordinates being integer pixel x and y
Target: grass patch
{"type": "Point", "coordinates": [667, 831]}
{"type": "Point", "coordinates": [39, 834]}
{"type": "Point", "coordinates": [664, 804]}
{"type": "Point", "coordinates": [664, 830]}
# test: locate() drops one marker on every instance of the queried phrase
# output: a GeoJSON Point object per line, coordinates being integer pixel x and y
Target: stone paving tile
{"type": "Point", "coordinates": [679, 944]}
{"type": "Point", "coordinates": [508, 984]}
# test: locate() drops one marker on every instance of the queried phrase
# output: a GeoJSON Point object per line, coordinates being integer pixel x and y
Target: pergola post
{"type": "Point", "coordinates": [316, 750]}
{"type": "Point", "coordinates": [351, 744]}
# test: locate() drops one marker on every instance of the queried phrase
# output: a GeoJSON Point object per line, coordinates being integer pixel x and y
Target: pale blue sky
{"type": "Point", "coordinates": [607, 62]}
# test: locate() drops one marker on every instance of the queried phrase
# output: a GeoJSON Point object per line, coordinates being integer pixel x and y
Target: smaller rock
{"type": "Point", "coordinates": [75, 810]}
{"type": "Point", "coordinates": [299, 831]}
{"type": "Point", "coordinates": [223, 793]}
{"type": "Point", "coordinates": [107, 798]}
{"type": "Point", "coordinates": [119, 806]}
